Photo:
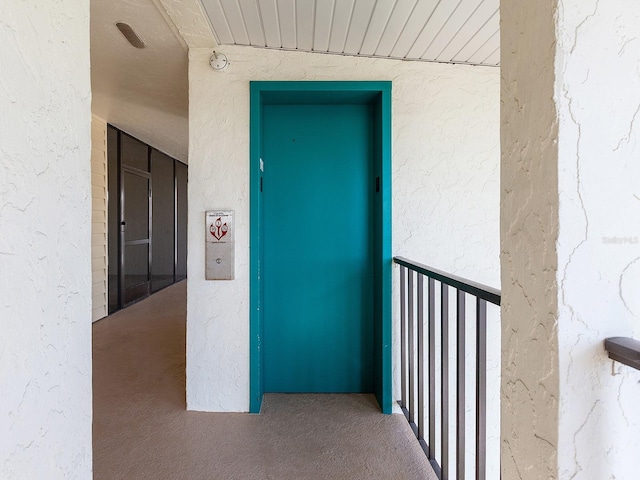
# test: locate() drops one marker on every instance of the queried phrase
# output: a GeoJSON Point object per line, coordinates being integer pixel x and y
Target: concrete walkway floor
{"type": "Point", "coordinates": [141, 429]}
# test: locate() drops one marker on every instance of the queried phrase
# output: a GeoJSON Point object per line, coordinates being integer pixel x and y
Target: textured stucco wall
{"type": "Point", "coordinates": [570, 238]}
{"type": "Point", "coordinates": [597, 93]}
{"type": "Point", "coordinates": [190, 21]}
{"type": "Point", "coordinates": [45, 239]}
{"type": "Point", "coordinates": [145, 122]}
{"type": "Point", "coordinates": [445, 187]}
{"type": "Point", "coordinates": [529, 229]}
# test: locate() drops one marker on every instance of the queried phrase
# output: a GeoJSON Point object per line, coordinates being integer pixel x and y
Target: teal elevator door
{"type": "Point", "coordinates": [318, 191]}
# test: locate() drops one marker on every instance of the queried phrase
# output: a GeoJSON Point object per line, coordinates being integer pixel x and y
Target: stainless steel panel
{"type": "Point", "coordinates": [219, 245]}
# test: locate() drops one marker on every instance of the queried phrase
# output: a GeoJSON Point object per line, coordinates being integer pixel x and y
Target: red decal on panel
{"type": "Point", "coordinates": [218, 229]}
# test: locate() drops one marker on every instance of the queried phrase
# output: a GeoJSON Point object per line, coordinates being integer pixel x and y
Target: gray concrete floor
{"type": "Point", "coordinates": [141, 429]}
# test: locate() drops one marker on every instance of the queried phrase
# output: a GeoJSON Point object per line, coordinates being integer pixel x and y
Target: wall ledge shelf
{"type": "Point", "coordinates": [624, 350]}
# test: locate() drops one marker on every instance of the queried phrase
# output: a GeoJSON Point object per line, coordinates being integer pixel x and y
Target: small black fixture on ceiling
{"type": "Point", "coordinates": [130, 35]}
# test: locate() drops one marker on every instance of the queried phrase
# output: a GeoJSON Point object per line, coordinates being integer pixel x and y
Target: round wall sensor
{"type": "Point", "coordinates": [219, 61]}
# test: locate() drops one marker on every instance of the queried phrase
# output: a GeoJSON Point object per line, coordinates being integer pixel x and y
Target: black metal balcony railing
{"type": "Point", "coordinates": [413, 340]}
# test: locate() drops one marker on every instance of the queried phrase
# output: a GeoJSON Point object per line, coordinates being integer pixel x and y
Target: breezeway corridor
{"type": "Point", "coordinates": [142, 430]}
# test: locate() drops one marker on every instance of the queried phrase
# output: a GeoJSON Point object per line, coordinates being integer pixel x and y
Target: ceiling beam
{"type": "Point", "coordinates": [189, 20]}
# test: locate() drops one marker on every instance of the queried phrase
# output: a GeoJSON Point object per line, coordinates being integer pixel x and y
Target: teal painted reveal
{"type": "Point", "coordinates": [384, 385]}
{"type": "Point", "coordinates": [378, 96]}
{"type": "Point", "coordinates": [255, 256]}
{"type": "Point", "coordinates": [318, 253]}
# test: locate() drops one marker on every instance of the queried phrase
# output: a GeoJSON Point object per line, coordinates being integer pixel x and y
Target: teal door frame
{"type": "Point", "coordinates": [378, 94]}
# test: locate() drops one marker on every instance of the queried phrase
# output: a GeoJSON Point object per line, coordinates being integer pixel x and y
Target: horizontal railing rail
{"type": "Point", "coordinates": [415, 341]}
{"type": "Point", "coordinates": [490, 294]}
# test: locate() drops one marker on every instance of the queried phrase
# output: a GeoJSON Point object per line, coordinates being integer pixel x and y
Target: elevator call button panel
{"type": "Point", "coordinates": [219, 245]}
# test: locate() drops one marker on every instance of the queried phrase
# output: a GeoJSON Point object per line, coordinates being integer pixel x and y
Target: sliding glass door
{"type": "Point", "coordinates": [135, 234]}
{"type": "Point", "coordinates": [147, 214]}
{"type": "Point", "coordinates": [163, 221]}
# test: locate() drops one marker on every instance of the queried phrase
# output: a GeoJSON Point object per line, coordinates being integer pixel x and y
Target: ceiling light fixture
{"type": "Point", "coordinates": [131, 36]}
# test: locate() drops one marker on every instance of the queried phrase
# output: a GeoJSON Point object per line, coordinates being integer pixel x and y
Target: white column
{"type": "Point", "coordinates": [529, 229]}
{"type": "Point", "coordinates": [45, 240]}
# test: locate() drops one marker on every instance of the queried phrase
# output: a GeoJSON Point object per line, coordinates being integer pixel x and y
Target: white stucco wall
{"type": "Point", "coordinates": [445, 181]}
{"type": "Point", "coordinates": [597, 92]}
{"type": "Point", "coordinates": [570, 238]}
{"type": "Point", "coordinates": [45, 238]}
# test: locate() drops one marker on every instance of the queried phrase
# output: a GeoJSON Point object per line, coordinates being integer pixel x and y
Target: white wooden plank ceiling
{"type": "Point", "coordinates": [458, 31]}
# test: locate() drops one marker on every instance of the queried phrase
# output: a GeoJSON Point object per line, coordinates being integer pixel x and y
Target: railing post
{"type": "Point", "coordinates": [403, 337]}
{"type": "Point", "coordinates": [444, 332]}
{"type": "Point", "coordinates": [421, 361]}
{"type": "Point", "coordinates": [481, 389]}
{"type": "Point", "coordinates": [432, 369]}
{"type": "Point", "coordinates": [411, 348]}
{"type": "Point", "coordinates": [461, 397]}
